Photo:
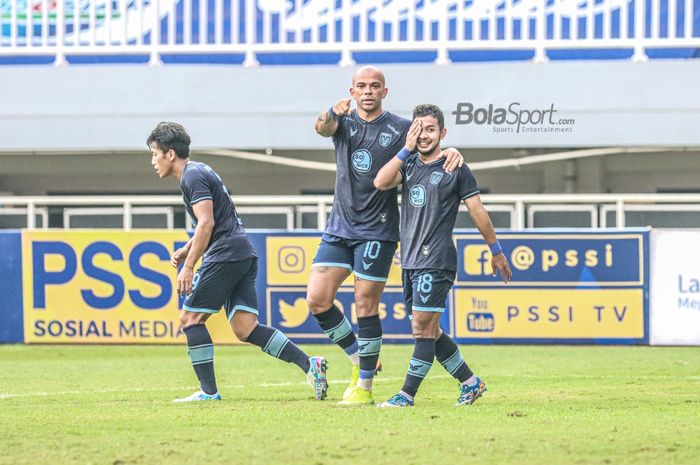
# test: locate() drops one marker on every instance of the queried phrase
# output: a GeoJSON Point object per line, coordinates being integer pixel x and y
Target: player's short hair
{"type": "Point", "coordinates": [428, 109]}
{"type": "Point", "coordinates": [173, 136]}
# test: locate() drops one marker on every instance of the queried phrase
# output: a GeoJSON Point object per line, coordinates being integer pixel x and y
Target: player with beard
{"type": "Point", "coordinates": [430, 201]}
{"type": "Point", "coordinates": [363, 227]}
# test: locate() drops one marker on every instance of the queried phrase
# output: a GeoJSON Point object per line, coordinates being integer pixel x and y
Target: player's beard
{"type": "Point", "coordinates": [429, 150]}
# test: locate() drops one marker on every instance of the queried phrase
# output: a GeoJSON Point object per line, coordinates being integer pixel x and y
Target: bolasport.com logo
{"type": "Point", "coordinates": [513, 118]}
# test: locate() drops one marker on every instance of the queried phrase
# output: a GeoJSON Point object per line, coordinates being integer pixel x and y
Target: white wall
{"type": "Point", "coordinates": [112, 107]}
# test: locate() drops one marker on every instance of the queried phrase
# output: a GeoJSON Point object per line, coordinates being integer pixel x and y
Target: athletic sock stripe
{"type": "Point", "coordinates": [202, 353]}
{"type": "Point", "coordinates": [203, 362]}
{"type": "Point", "coordinates": [369, 347]}
{"type": "Point", "coordinates": [351, 349]}
{"type": "Point", "coordinates": [200, 346]}
{"type": "Point", "coordinates": [453, 362]}
{"type": "Point", "coordinates": [276, 343]}
{"type": "Point", "coordinates": [418, 368]}
{"type": "Point", "coordinates": [340, 331]}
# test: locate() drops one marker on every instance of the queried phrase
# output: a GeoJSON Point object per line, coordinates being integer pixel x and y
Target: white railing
{"type": "Point", "coordinates": [248, 27]}
{"type": "Point", "coordinates": [521, 208]}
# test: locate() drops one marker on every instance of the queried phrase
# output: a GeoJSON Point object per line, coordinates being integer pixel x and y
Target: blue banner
{"type": "Point", "coordinates": [11, 326]}
{"type": "Point", "coordinates": [573, 286]}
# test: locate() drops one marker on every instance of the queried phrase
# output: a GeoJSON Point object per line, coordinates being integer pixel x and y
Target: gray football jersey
{"type": "Point", "coordinates": [229, 242]}
{"type": "Point", "coordinates": [429, 204]}
{"type": "Point", "coordinates": [361, 148]}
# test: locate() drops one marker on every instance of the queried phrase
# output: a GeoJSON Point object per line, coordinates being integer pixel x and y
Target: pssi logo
{"type": "Point", "coordinates": [362, 161]}
{"type": "Point", "coordinates": [481, 322]}
{"type": "Point", "coordinates": [94, 266]}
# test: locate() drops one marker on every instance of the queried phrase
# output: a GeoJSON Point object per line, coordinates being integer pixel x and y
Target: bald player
{"type": "Point", "coordinates": [363, 228]}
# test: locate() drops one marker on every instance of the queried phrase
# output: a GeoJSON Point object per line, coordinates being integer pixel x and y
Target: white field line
{"type": "Point", "coordinates": [223, 387]}
{"type": "Point", "coordinates": [379, 379]}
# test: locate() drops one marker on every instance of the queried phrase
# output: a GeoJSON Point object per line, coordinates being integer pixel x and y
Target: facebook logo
{"type": "Point", "coordinates": [477, 260]}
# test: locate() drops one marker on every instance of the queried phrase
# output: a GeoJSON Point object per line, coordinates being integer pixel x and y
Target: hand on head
{"type": "Point", "coordinates": [412, 135]}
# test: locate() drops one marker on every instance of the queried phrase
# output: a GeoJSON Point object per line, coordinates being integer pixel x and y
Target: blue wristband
{"type": "Point", "coordinates": [495, 248]}
{"type": "Point", "coordinates": [331, 112]}
{"type": "Point", "coordinates": [403, 154]}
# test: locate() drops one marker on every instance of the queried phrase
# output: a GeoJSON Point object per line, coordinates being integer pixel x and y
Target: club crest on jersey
{"type": "Point", "coordinates": [426, 251]}
{"type": "Point", "coordinates": [362, 161]}
{"type": "Point", "coordinates": [417, 196]}
{"type": "Point", "coordinates": [435, 177]}
{"type": "Point", "coordinates": [385, 139]}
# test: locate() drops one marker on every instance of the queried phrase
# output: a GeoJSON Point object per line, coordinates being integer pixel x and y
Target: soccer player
{"type": "Point", "coordinates": [228, 271]}
{"type": "Point", "coordinates": [429, 205]}
{"type": "Point", "coordinates": [363, 227]}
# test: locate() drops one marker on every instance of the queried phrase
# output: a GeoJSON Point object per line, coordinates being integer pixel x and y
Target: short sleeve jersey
{"type": "Point", "coordinates": [429, 205]}
{"type": "Point", "coordinates": [360, 211]}
{"type": "Point", "coordinates": [229, 242]}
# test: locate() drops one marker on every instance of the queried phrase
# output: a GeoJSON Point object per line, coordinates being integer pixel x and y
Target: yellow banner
{"type": "Point", "coordinates": [104, 286]}
{"type": "Point", "coordinates": [289, 260]}
{"type": "Point", "coordinates": [549, 313]}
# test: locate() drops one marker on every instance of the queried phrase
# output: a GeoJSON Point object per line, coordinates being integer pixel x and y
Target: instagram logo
{"type": "Point", "coordinates": [291, 259]}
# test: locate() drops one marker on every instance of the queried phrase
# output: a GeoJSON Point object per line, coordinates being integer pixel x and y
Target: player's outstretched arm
{"type": "Point", "coordinates": [390, 174]}
{"type": "Point", "coordinates": [482, 221]}
{"type": "Point", "coordinates": [204, 211]}
{"type": "Point", "coordinates": [327, 122]}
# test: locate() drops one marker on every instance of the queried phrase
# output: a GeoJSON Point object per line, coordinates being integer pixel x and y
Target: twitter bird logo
{"type": "Point", "coordinates": [293, 315]}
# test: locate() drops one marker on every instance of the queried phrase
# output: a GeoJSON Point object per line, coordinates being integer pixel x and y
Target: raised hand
{"type": "Point", "coordinates": [342, 107]}
{"type": "Point", "coordinates": [412, 135]}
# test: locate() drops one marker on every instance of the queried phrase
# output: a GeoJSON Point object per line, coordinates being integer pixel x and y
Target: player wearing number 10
{"type": "Point", "coordinates": [226, 277]}
{"type": "Point", "coordinates": [363, 226]}
{"type": "Point", "coordinates": [429, 206]}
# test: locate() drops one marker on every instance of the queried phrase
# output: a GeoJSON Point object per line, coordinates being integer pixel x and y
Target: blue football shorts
{"type": "Point", "coordinates": [426, 290]}
{"type": "Point", "coordinates": [224, 284]}
{"type": "Point", "coordinates": [370, 260]}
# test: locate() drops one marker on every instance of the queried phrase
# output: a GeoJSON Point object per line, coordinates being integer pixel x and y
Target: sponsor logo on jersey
{"type": "Point", "coordinates": [362, 161]}
{"type": "Point", "coordinates": [393, 129]}
{"type": "Point", "coordinates": [417, 196]}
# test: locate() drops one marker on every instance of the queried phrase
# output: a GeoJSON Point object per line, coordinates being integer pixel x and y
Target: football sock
{"type": "Point", "coordinates": [418, 367]}
{"type": "Point", "coordinates": [273, 342]}
{"type": "Point", "coordinates": [339, 330]}
{"type": "Point", "coordinates": [406, 395]}
{"type": "Point", "coordinates": [369, 340]}
{"type": "Point", "coordinates": [201, 352]}
{"type": "Point", "coordinates": [470, 381]}
{"type": "Point", "coordinates": [447, 353]}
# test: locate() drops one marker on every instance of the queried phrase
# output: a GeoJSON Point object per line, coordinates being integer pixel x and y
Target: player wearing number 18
{"type": "Point", "coordinates": [430, 201]}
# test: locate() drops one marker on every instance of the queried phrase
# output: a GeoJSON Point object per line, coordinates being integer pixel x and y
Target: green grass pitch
{"type": "Point", "coordinates": [545, 405]}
